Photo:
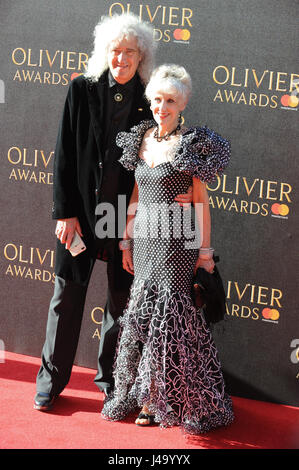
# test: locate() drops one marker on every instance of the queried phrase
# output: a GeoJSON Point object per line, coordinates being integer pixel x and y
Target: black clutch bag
{"type": "Point", "coordinates": [208, 293]}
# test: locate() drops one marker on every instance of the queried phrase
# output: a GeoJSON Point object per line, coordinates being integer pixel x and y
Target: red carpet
{"type": "Point", "coordinates": [75, 422]}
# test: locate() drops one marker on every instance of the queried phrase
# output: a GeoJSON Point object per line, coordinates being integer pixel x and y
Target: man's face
{"type": "Point", "coordinates": [123, 59]}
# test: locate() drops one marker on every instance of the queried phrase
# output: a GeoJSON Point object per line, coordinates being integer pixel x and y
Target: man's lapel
{"type": "Point", "coordinates": [96, 101]}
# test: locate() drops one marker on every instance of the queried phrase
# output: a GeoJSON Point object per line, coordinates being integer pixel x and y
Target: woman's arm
{"type": "Point", "coordinates": [128, 232]}
{"type": "Point", "coordinates": [203, 218]}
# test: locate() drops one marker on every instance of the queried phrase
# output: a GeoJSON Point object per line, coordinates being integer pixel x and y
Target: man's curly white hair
{"type": "Point", "coordinates": [115, 28]}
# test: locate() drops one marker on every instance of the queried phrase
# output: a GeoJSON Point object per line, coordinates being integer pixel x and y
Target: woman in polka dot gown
{"type": "Point", "coordinates": [167, 362]}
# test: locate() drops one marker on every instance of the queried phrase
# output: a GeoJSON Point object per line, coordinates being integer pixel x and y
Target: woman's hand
{"type": "Point", "coordinates": [65, 230]}
{"type": "Point", "coordinates": [186, 199]}
{"type": "Point", "coordinates": [207, 264]}
{"type": "Point", "coordinates": [128, 261]}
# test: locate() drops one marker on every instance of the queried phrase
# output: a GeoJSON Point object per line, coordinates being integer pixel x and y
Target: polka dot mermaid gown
{"type": "Point", "coordinates": [166, 356]}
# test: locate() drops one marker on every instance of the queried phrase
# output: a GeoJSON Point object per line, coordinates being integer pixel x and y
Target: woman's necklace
{"type": "Point", "coordinates": [154, 155]}
{"type": "Point", "coordinates": [167, 135]}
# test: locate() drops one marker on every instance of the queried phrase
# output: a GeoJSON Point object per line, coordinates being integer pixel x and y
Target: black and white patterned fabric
{"type": "Point", "coordinates": [200, 151]}
{"type": "Point", "coordinates": [177, 369]}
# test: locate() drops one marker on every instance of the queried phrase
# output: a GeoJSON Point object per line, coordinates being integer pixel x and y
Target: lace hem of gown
{"type": "Point", "coordinates": [177, 370]}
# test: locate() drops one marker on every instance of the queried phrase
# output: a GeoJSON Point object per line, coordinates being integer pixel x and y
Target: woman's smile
{"type": "Point", "coordinates": [166, 108]}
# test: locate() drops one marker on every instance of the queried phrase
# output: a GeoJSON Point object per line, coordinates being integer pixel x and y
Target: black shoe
{"type": "Point", "coordinates": [149, 419]}
{"type": "Point", "coordinates": [43, 401]}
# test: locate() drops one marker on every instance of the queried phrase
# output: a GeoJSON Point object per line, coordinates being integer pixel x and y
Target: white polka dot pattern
{"type": "Point", "coordinates": [178, 370]}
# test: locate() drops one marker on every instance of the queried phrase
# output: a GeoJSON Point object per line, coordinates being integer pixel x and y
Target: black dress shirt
{"type": "Point", "coordinates": [116, 120]}
{"type": "Point", "coordinates": [117, 110]}
{"type": "Point", "coordinates": [118, 104]}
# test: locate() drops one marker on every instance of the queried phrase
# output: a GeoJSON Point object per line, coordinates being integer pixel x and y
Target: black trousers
{"type": "Point", "coordinates": [64, 325]}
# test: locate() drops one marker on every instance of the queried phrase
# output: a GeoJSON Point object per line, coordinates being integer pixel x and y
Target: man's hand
{"type": "Point", "coordinates": [185, 200]}
{"type": "Point", "coordinates": [128, 261]}
{"type": "Point", "coordinates": [65, 230]}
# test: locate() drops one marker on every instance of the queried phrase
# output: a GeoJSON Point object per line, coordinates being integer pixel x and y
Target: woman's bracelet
{"type": "Point", "coordinates": [125, 244]}
{"type": "Point", "coordinates": [206, 253]}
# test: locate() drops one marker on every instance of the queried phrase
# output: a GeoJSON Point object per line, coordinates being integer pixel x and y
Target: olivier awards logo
{"type": "Point", "coordinates": [251, 301]}
{"type": "Point", "coordinates": [172, 24]}
{"type": "Point", "coordinates": [29, 263]}
{"type": "Point", "coordinates": [30, 166]}
{"type": "Point", "coordinates": [256, 88]}
{"type": "Point", "coordinates": [47, 67]}
{"type": "Point", "coordinates": [251, 196]}
{"type": "Point", "coordinates": [96, 317]}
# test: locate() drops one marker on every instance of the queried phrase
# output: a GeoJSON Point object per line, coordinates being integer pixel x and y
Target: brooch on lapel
{"type": "Point", "coordinates": [118, 97]}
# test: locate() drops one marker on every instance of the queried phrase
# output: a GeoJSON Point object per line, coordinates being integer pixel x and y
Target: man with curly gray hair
{"type": "Point", "coordinates": [108, 32]}
{"type": "Point", "coordinates": [107, 99]}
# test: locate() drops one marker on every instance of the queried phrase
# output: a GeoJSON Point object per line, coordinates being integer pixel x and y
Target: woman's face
{"type": "Point", "coordinates": [166, 107]}
{"type": "Point", "coordinates": [123, 59]}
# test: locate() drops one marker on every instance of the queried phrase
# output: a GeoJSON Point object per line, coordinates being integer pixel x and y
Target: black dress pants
{"type": "Point", "coordinates": [64, 325]}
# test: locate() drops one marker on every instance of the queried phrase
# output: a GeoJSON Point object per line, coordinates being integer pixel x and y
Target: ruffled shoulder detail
{"type": "Point", "coordinates": [202, 153]}
{"type": "Point", "coordinates": [130, 143]}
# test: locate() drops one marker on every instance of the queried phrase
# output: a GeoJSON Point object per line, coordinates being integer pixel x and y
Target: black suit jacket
{"type": "Point", "coordinates": [79, 166]}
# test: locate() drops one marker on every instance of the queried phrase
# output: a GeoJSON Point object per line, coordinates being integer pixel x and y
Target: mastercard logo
{"type": "Point", "coordinates": [270, 314]}
{"type": "Point", "coordinates": [181, 34]}
{"type": "Point", "coordinates": [290, 101]}
{"type": "Point", "coordinates": [74, 75]}
{"type": "Point", "coordinates": [280, 209]}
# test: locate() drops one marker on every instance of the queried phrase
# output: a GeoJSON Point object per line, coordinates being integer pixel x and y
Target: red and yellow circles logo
{"type": "Point", "coordinates": [280, 209]}
{"type": "Point", "coordinates": [181, 34]}
{"type": "Point", "coordinates": [289, 101]}
{"type": "Point", "coordinates": [75, 75]}
{"type": "Point", "coordinates": [270, 314]}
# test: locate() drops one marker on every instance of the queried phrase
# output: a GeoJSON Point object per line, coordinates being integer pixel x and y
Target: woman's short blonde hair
{"type": "Point", "coordinates": [115, 28]}
{"type": "Point", "coordinates": [170, 78]}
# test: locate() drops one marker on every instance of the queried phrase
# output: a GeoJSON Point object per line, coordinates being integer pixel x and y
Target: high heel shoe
{"type": "Point", "coordinates": [150, 419]}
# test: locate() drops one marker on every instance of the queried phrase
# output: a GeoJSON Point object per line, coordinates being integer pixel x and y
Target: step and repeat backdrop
{"type": "Point", "coordinates": [243, 60]}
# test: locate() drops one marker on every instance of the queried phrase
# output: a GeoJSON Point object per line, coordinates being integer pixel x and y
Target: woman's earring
{"type": "Point", "coordinates": [180, 121]}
